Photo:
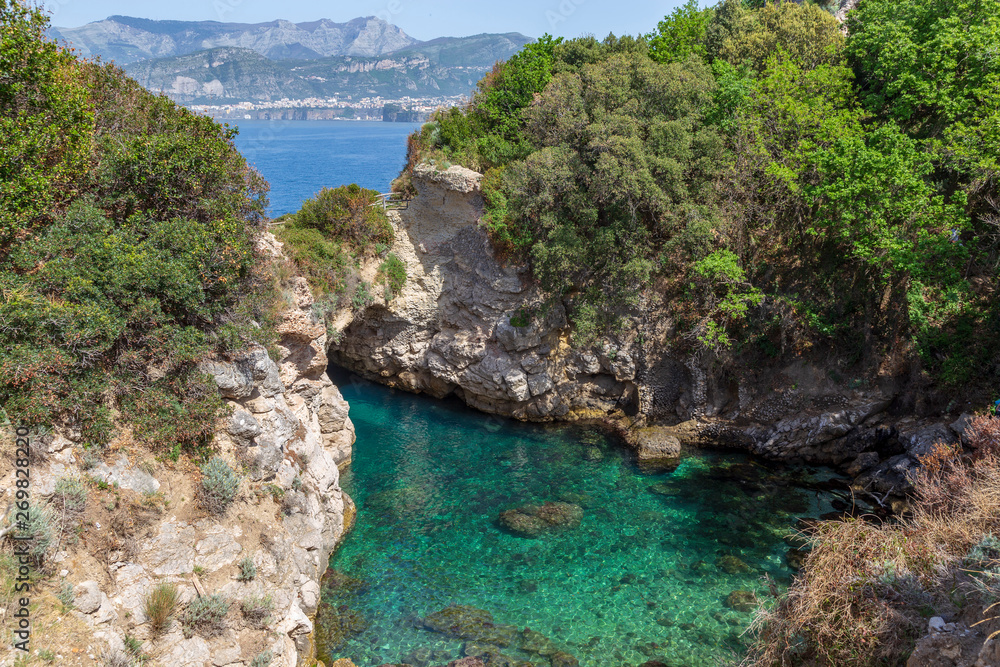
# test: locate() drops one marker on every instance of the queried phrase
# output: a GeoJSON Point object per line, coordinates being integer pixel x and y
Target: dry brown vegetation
{"type": "Point", "coordinates": [867, 588]}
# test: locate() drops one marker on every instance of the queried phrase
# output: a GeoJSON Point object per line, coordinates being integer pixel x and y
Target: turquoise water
{"type": "Point", "coordinates": [639, 579]}
{"type": "Point", "coordinates": [300, 157]}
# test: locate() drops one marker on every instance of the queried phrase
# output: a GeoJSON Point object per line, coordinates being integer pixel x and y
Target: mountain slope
{"type": "Point", "coordinates": [126, 39]}
{"type": "Point", "coordinates": [441, 67]}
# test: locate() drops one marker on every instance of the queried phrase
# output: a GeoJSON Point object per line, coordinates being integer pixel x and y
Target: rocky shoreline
{"type": "Point", "coordinates": [291, 429]}
{"type": "Point", "coordinates": [469, 325]}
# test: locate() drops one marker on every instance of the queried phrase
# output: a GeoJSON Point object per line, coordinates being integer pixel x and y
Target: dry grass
{"type": "Point", "coordinates": [866, 588]}
{"type": "Point", "coordinates": [160, 606]}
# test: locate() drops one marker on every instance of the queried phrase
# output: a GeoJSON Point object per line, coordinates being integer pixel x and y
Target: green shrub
{"type": "Point", "coordinates": [159, 606]}
{"type": "Point", "coordinates": [38, 532]}
{"type": "Point", "coordinates": [985, 552]}
{"type": "Point", "coordinates": [362, 297]}
{"type": "Point", "coordinates": [69, 495]}
{"type": "Point", "coordinates": [220, 485]}
{"type": "Point", "coordinates": [263, 659]}
{"type": "Point", "coordinates": [206, 616]}
{"type": "Point", "coordinates": [126, 245]}
{"type": "Point", "coordinates": [248, 570]}
{"type": "Point", "coordinates": [65, 595]}
{"type": "Point", "coordinates": [257, 610]}
{"type": "Point", "coordinates": [348, 213]}
{"type": "Point", "coordinates": [393, 273]}
{"type": "Point", "coordinates": [323, 262]}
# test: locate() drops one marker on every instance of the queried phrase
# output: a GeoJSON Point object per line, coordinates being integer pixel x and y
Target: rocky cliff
{"type": "Point", "coordinates": [142, 524]}
{"type": "Point", "coordinates": [470, 325]}
{"type": "Point", "coordinates": [126, 39]}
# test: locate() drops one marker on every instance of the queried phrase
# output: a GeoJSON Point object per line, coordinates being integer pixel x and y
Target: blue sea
{"type": "Point", "coordinates": [656, 566]}
{"type": "Point", "coordinates": [299, 158]}
{"type": "Point", "coordinates": [646, 575]}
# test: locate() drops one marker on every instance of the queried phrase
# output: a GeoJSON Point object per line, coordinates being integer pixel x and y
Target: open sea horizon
{"type": "Point", "coordinates": [298, 158]}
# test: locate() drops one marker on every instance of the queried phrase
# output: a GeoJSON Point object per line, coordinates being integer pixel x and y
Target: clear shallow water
{"type": "Point", "coordinates": [638, 580]}
{"type": "Point", "coordinates": [299, 158]}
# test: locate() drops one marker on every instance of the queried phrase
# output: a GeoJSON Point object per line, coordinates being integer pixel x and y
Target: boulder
{"type": "Point", "coordinates": [125, 476]}
{"type": "Point", "coordinates": [895, 476]}
{"type": "Point", "coordinates": [862, 462]}
{"type": "Point", "coordinates": [959, 425]}
{"type": "Point", "coordinates": [533, 520]}
{"type": "Point", "coordinates": [243, 426]}
{"type": "Point", "coordinates": [563, 659]}
{"type": "Point", "coordinates": [465, 622]}
{"type": "Point", "coordinates": [656, 443]}
{"type": "Point", "coordinates": [87, 597]}
{"type": "Point", "coordinates": [536, 642]}
{"type": "Point", "coordinates": [921, 441]}
{"type": "Point", "coordinates": [232, 380]}
{"type": "Point", "coordinates": [731, 565]}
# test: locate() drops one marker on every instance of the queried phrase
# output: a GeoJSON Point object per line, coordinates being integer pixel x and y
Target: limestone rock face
{"type": "Point", "coordinates": [466, 324]}
{"type": "Point", "coordinates": [470, 325]}
{"type": "Point", "coordinates": [290, 425]}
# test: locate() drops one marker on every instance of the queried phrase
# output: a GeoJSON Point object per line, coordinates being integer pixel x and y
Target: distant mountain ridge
{"type": "Point", "coordinates": [127, 39]}
{"type": "Point", "coordinates": [445, 66]}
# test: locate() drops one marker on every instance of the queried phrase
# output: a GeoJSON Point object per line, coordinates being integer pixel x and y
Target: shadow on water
{"type": "Point", "coordinates": [650, 565]}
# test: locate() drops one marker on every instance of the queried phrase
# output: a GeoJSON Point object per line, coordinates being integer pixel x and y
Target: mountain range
{"type": "Point", "coordinates": [208, 62]}
{"type": "Point", "coordinates": [442, 67]}
{"type": "Point", "coordinates": [126, 39]}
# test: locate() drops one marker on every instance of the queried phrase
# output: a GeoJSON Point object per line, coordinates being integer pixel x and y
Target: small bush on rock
{"type": "Point", "coordinates": [262, 660]}
{"type": "Point", "coordinates": [393, 272]}
{"type": "Point", "coordinates": [219, 486]}
{"type": "Point", "coordinates": [257, 610]}
{"type": "Point", "coordinates": [248, 570]}
{"type": "Point", "coordinates": [160, 605]}
{"type": "Point", "coordinates": [206, 616]}
{"type": "Point", "coordinates": [37, 532]}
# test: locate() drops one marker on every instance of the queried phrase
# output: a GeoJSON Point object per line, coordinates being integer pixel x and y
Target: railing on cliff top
{"type": "Point", "coordinates": [393, 201]}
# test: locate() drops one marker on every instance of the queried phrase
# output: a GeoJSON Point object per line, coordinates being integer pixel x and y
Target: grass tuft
{"type": "Point", "coordinates": [160, 605]}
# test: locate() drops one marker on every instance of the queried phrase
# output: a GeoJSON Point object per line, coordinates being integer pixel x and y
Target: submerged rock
{"type": "Point", "coordinates": [522, 524]}
{"type": "Point", "coordinates": [665, 489]}
{"type": "Point", "coordinates": [741, 601]}
{"type": "Point", "coordinates": [731, 565]}
{"type": "Point", "coordinates": [563, 659]}
{"type": "Point", "coordinates": [465, 622]}
{"type": "Point", "coordinates": [795, 558]}
{"type": "Point", "coordinates": [536, 642]}
{"type": "Point", "coordinates": [533, 520]}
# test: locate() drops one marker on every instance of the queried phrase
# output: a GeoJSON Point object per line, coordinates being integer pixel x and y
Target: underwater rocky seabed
{"type": "Point", "coordinates": [647, 574]}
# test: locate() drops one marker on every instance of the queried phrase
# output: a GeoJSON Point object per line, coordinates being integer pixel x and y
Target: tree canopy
{"type": "Point", "coordinates": [772, 176]}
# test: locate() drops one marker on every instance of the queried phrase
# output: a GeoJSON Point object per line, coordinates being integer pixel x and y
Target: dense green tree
{"type": "Point", "coordinates": [749, 37]}
{"type": "Point", "coordinates": [680, 34]}
{"type": "Point", "coordinates": [127, 253]}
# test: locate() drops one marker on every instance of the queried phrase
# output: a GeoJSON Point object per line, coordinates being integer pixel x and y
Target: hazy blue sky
{"type": "Point", "coordinates": [422, 19]}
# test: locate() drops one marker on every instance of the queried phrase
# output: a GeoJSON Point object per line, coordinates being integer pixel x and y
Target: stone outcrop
{"type": "Point", "coordinates": [467, 324]}
{"type": "Point", "coordinates": [289, 427]}
{"type": "Point", "coordinates": [954, 645]}
{"type": "Point", "coordinates": [470, 325]}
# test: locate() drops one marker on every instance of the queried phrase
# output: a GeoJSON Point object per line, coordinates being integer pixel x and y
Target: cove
{"type": "Point", "coordinates": [647, 574]}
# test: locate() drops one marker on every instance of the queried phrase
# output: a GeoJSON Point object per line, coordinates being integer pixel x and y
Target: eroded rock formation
{"type": "Point", "coordinates": [290, 428]}
{"type": "Point", "coordinates": [471, 325]}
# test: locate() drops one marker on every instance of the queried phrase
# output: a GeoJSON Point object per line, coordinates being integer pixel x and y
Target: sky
{"type": "Point", "coordinates": [421, 19]}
